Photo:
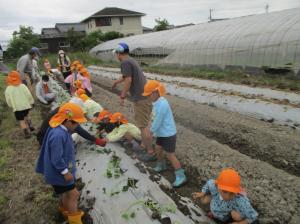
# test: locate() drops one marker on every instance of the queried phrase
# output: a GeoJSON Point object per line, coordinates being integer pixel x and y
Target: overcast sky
{"type": "Point", "coordinates": [42, 13]}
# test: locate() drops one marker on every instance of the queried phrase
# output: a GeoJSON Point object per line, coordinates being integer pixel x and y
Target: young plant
{"type": "Point", "coordinates": [156, 209]}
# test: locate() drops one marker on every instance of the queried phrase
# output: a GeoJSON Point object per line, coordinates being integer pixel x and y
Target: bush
{"type": "Point", "coordinates": [22, 41]}
{"type": "Point", "coordinates": [93, 39]}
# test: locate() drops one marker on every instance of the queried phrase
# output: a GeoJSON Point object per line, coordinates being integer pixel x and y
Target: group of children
{"type": "Point", "coordinates": [228, 202]}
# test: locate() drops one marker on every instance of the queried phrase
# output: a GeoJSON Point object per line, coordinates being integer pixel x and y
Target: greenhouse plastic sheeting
{"type": "Point", "coordinates": [109, 207]}
{"type": "Point", "coordinates": [270, 40]}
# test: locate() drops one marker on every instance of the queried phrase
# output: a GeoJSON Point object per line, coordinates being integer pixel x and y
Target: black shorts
{"type": "Point", "coordinates": [88, 93]}
{"type": "Point", "coordinates": [20, 115]}
{"type": "Point", "coordinates": [168, 143]}
{"type": "Point", "coordinates": [59, 189]}
{"type": "Point", "coordinates": [66, 74]}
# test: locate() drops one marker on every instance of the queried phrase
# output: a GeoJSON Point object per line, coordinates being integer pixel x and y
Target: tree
{"type": "Point", "coordinates": [161, 24]}
{"type": "Point", "coordinates": [91, 40]}
{"type": "Point", "coordinates": [112, 35]}
{"type": "Point", "coordinates": [94, 38]}
{"type": "Point", "coordinates": [22, 41]}
{"type": "Point", "coordinates": [75, 39]}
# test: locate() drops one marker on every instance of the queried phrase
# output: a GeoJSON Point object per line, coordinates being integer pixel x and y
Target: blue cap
{"type": "Point", "coordinates": [121, 48]}
{"type": "Point", "coordinates": [124, 45]}
{"type": "Point", "coordinates": [35, 50]}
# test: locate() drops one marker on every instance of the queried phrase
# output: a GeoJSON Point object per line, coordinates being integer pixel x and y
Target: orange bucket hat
{"type": "Point", "coordinates": [80, 91]}
{"type": "Point", "coordinates": [104, 114]}
{"type": "Point", "coordinates": [229, 180]}
{"type": "Point", "coordinates": [85, 73]}
{"type": "Point", "coordinates": [13, 79]}
{"type": "Point", "coordinates": [68, 111]}
{"type": "Point", "coordinates": [80, 67]}
{"type": "Point", "coordinates": [83, 97]}
{"type": "Point", "coordinates": [153, 85]}
{"type": "Point", "coordinates": [75, 64]}
{"type": "Point", "coordinates": [118, 117]}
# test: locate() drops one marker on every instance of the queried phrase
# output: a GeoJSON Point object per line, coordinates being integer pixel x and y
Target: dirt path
{"type": "Point", "coordinates": [274, 192]}
{"type": "Point", "coordinates": [27, 199]}
{"type": "Point", "coordinates": [277, 145]}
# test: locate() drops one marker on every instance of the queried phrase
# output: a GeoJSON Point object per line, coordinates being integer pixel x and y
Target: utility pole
{"type": "Point", "coordinates": [267, 8]}
{"type": "Point", "coordinates": [210, 17]}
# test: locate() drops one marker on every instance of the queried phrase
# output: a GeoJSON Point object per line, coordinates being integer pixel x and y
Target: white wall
{"type": "Point", "coordinates": [131, 25]}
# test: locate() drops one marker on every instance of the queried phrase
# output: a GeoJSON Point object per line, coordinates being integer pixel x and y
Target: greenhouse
{"type": "Point", "coordinates": [267, 41]}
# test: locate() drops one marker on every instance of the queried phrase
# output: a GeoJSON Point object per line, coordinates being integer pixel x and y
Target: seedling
{"type": "Point", "coordinates": [131, 183]}
{"type": "Point", "coordinates": [113, 168]}
{"type": "Point", "coordinates": [157, 210]}
{"type": "Point", "coordinates": [107, 151]}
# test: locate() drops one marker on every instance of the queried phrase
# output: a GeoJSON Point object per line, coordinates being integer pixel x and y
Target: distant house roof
{"type": "Point", "coordinates": [64, 27]}
{"type": "Point", "coordinates": [61, 30]}
{"type": "Point", "coordinates": [46, 31]}
{"type": "Point", "coordinates": [114, 11]}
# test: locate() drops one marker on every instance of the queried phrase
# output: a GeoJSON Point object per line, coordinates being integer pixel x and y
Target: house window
{"type": "Point", "coordinates": [44, 46]}
{"type": "Point", "coordinates": [103, 21]}
{"type": "Point", "coordinates": [121, 20]}
{"type": "Point", "coordinates": [64, 44]}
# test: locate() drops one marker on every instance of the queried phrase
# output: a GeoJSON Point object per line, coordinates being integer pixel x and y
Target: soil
{"type": "Point", "coordinates": [277, 145]}
{"type": "Point", "coordinates": [209, 139]}
{"type": "Point", "coordinates": [29, 200]}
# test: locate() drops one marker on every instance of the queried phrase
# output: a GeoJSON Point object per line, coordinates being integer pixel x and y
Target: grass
{"type": "Point", "coordinates": [7, 123]}
{"type": "Point", "coordinates": [17, 176]}
{"type": "Point", "coordinates": [282, 82]}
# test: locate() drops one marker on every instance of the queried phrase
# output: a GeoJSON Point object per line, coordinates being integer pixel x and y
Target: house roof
{"type": "Point", "coordinates": [64, 27]}
{"type": "Point", "coordinates": [114, 11]}
{"type": "Point", "coordinates": [61, 30]}
{"type": "Point", "coordinates": [46, 31]}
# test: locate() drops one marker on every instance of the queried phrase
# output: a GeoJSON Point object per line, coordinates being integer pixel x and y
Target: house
{"type": "Point", "coordinates": [56, 38]}
{"type": "Point", "coordinates": [115, 19]}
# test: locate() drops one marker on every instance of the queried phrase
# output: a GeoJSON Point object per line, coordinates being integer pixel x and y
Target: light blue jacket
{"type": "Point", "coordinates": [163, 124]}
{"type": "Point", "coordinates": [221, 209]}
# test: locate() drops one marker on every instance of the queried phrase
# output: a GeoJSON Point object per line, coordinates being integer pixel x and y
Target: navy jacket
{"type": "Point", "coordinates": [57, 153]}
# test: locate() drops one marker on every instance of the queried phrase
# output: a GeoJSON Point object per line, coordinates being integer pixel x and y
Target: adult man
{"type": "Point", "coordinates": [134, 81]}
{"type": "Point", "coordinates": [24, 67]}
{"type": "Point", "coordinates": [44, 92]}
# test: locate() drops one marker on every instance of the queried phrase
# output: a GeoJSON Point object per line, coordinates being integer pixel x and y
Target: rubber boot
{"type": "Point", "coordinates": [160, 166]}
{"type": "Point", "coordinates": [75, 218]}
{"type": "Point", "coordinates": [27, 133]}
{"type": "Point", "coordinates": [180, 178]}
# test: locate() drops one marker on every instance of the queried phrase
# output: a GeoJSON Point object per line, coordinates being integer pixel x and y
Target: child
{"type": "Point", "coordinates": [123, 129]}
{"type": "Point", "coordinates": [90, 107]}
{"type": "Point", "coordinates": [57, 159]}
{"type": "Point", "coordinates": [71, 80]}
{"type": "Point", "coordinates": [47, 65]}
{"type": "Point", "coordinates": [84, 72]}
{"type": "Point", "coordinates": [103, 122]}
{"type": "Point", "coordinates": [19, 98]}
{"type": "Point", "coordinates": [227, 203]}
{"type": "Point", "coordinates": [44, 92]}
{"type": "Point", "coordinates": [164, 129]}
